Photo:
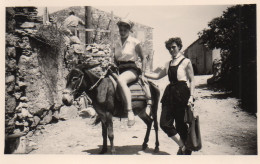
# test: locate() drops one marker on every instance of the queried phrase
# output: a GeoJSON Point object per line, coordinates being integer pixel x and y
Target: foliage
{"type": "Point", "coordinates": [235, 34]}
{"type": "Point", "coordinates": [51, 35]}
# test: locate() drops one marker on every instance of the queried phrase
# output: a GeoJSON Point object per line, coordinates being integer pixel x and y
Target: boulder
{"type": "Point", "coordinates": [47, 119]}
{"type": "Point", "coordinates": [68, 112]}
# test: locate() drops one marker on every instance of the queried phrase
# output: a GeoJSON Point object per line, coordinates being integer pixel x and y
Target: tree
{"type": "Point", "coordinates": [234, 32]}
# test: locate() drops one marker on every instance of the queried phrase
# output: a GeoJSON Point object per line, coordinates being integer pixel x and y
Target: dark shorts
{"type": "Point", "coordinates": [129, 66]}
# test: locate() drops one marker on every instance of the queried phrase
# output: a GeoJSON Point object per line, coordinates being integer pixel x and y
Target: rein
{"type": "Point", "coordinates": [101, 77]}
{"type": "Point", "coordinates": [94, 85]}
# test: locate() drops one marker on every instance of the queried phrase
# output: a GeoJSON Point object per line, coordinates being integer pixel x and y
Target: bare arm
{"type": "Point", "coordinates": [156, 76]}
{"type": "Point", "coordinates": [139, 51]}
{"type": "Point", "coordinates": [81, 22]}
{"type": "Point", "coordinates": [190, 75]}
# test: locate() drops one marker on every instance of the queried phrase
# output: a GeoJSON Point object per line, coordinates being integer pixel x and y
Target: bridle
{"type": "Point", "coordinates": [81, 80]}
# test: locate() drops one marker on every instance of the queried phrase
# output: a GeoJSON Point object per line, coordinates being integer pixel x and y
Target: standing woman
{"type": "Point", "coordinates": [177, 95]}
{"type": "Point", "coordinates": [127, 50]}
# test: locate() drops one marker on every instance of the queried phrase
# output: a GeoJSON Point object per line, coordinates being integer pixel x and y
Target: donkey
{"type": "Point", "coordinates": [107, 104]}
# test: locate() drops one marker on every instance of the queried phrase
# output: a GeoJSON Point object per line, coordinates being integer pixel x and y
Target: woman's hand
{"type": "Point", "coordinates": [191, 102]}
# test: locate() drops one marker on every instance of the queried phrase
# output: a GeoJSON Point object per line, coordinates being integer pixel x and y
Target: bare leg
{"type": "Point", "coordinates": [179, 141]}
{"type": "Point", "coordinates": [124, 79]}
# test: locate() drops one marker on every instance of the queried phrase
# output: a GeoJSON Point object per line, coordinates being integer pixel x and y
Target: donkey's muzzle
{"type": "Point", "coordinates": [67, 98]}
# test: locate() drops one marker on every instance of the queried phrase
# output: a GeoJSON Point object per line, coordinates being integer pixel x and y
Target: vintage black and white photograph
{"type": "Point", "coordinates": [177, 80]}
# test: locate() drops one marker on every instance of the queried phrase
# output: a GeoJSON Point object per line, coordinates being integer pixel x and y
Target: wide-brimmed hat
{"type": "Point", "coordinates": [123, 22]}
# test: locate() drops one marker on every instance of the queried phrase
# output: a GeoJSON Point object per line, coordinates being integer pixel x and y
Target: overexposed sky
{"type": "Point", "coordinates": [184, 21]}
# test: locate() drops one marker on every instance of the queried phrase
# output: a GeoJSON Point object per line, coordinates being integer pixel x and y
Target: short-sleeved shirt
{"type": "Point", "coordinates": [72, 21]}
{"type": "Point", "coordinates": [126, 52]}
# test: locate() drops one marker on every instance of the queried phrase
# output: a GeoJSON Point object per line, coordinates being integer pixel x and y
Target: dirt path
{"type": "Point", "coordinates": [225, 130]}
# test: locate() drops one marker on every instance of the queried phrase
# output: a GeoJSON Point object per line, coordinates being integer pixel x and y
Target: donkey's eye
{"type": "Point", "coordinates": [75, 78]}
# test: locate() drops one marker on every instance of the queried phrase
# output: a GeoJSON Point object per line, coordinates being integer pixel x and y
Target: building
{"type": "Point", "coordinates": [201, 57]}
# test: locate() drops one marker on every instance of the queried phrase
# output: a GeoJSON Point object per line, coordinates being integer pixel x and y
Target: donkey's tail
{"type": "Point", "coordinates": [155, 92]}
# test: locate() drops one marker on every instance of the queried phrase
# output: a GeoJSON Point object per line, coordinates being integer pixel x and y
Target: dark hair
{"type": "Point", "coordinates": [72, 13]}
{"type": "Point", "coordinates": [176, 40]}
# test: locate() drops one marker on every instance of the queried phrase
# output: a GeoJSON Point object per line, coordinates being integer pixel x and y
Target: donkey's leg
{"type": "Point", "coordinates": [155, 92]}
{"type": "Point", "coordinates": [104, 134]}
{"type": "Point", "coordinates": [110, 131]}
{"type": "Point", "coordinates": [155, 125]}
{"type": "Point", "coordinates": [148, 121]}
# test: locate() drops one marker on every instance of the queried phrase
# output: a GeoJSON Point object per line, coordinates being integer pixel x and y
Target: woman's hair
{"type": "Point", "coordinates": [176, 40]}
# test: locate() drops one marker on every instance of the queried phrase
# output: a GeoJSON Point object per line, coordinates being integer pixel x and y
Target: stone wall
{"type": "Point", "coordinates": [34, 76]}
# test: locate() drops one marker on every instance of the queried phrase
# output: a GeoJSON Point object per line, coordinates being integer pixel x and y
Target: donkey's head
{"type": "Point", "coordinates": [78, 80]}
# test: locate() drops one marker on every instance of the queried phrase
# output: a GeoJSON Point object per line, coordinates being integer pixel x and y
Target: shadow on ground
{"type": "Point", "coordinates": [219, 94]}
{"type": "Point", "coordinates": [126, 150]}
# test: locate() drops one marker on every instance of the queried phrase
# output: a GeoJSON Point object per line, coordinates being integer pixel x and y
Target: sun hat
{"type": "Point", "coordinates": [123, 22]}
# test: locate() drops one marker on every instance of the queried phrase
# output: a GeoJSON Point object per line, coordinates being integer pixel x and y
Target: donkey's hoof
{"type": "Point", "coordinates": [144, 146]}
{"type": "Point", "coordinates": [103, 151]}
{"type": "Point", "coordinates": [156, 150]}
{"type": "Point", "coordinates": [113, 151]}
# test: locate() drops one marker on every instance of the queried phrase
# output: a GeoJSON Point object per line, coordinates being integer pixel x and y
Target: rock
{"type": "Point", "coordinates": [17, 131]}
{"type": "Point", "coordinates": [12, 120]}
{"type": "Point", "coordinates": [10, 88]}
{"type": "Point", "coordinates": [18, 123]}
{"type": "Point", "coordinates": [37, 111]}
{"type": "Point", "coordinates": [22, 84]}
{"type": "Point", "coordinates": [56, 115]}
{"type": "Point", "coordinates": [36, 121]}
{"type": "Point", "coordinates": [11, 65]}
{"type": "Point", "coordinates": [47, 119]}
{"type": "Point", "coordinates": [25, 123]}
{"type": "Point", "coordinates": [17, 95]}
{"type": "Point", "coordinates": [10, 103]}
{"type": "Point", "coordinates": [10, 79]}
{"type": "Point", "coordinates": [20, 106]}
{"type": "Point", "coordinates": [68, 112]}
{"type": "Point", "coordinates": [11, 52]}
{"type": "Point", "coordinates": [78, 48]}
{"type": "Point", "coordinates": [11, 40]}
{"type": "Point", "coordinates": [25, 99]}
{"type": "Point", "coordinates": [21, 148]}
{"type": "Point", "coordinates": [89, 112]}
{"type": "Point", "coordinates": [28, 25]}
{"type": "Point", "coordinates": [29, 134]}
{"type": "Point", "coordinates": [25, 113]}
{"type": "Point", "coordinates": [88, 48]}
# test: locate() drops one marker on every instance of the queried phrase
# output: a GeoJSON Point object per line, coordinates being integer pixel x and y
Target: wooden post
{"type": "Point", "coordinates": [112, 35]}
{"type": "Point", "coordinates": [88, 23]}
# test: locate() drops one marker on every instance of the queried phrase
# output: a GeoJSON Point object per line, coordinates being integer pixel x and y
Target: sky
{"type": "Point", "coordinates": [184, 21]}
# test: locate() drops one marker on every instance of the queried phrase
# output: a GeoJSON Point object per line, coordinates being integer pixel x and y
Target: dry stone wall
{"type": "Point", "coordinates": [34, 77]}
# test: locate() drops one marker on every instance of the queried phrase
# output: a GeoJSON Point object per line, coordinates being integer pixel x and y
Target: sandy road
{"type": "Point", "coordinates": [225, 130]}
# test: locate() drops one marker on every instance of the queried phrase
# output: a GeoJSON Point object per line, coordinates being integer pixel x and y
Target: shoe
{"type": "Point", "coordinates": [181, 151]}
{"type": "Point", "coordinates": [131, 118]}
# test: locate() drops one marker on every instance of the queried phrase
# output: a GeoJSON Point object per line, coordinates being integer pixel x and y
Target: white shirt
{"type": "Point", "coordinates": [181, 72]}
{"type": "Point", "coordinates": [126, 52]}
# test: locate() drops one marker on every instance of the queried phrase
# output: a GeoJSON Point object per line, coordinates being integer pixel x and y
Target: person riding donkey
{"type": "Point", "coordinates": [127, 50]}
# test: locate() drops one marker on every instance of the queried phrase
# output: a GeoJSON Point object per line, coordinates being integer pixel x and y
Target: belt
{"type": "Point", "coordinates": [124, 62]}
